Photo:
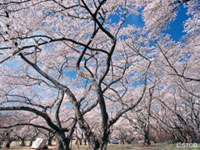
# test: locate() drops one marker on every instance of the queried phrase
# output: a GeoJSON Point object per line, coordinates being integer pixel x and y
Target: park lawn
{"type": "Point", "coordinates": [116, 147]}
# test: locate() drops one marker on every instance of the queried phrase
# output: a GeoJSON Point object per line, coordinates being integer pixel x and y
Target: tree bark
{"type": "Point", "coordinates": [50, 140]}
{"type": "Point", "coordinates": [104, 145]}
{"type": "Point", "coordinates": [146, 139]}
{"type": "Point", "coordinates": [22, 142]}
{"type": "Point", "coordinates": [62, 142]}
{"type": "Point", "coordinates": [93, 143]}
{"type": "Point", "coordinates": [59, 144]}
{"type": "Point", "coordinates": [105, 140]}
{"type": "Point", "coordinates": [8, 142]}
{"type": "Point", "coordinates": [31, 143]}
{"type": "Point", "coordinates": [85, 142]}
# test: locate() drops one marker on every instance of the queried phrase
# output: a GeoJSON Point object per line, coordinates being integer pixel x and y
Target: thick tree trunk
{"type": "Point", "coordinates": [96, 146]}
{"type": "Point", "coordinates": [62, 143]}
{"type": "Point", "coordinates": [59, 144]}
{"type": "Point", "coordinates": [105, 140]}
{"type": "Point", "coordinates": [93, 144]}
{"type": "Point", "coordinates": [104, 146]}
{"type": "Point", "coordinates": [99, 144]}
{"type": "Point", "coordinates": [67, 145]}
{"type": "Point", "coordinates": [90, 136]}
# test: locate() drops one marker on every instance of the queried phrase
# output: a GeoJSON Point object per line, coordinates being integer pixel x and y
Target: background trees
{"type": "Point", "coordinates": [67, 63]}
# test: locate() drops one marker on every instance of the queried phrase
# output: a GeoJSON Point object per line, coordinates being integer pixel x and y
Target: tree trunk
{"type": "Point", "coordinates": [50, 140]}
{"type": "Point", "coordinates": [33, 137]}
{"type": "Point", "coordinates": [63, 143]}
{"type": "Point", "coordinates": [193, 137]}
{"type": "Point", "coordinates": [80, 141]}
{"type": "Point", "coordinates": [85, 142]}
{"type": "Point", "coordinates": [93, 143]}
{"type": "Point", "coordinates": [22, 142]}
{"type": "Point", "coordinates": [104, 146]}
{"type": "Point", "coordinates": [8, 142]}
{"type": "Point", "coordinates": [59, 144]}
{"type": "Point", "coordinates": [105, 140]}
{"type": "Point", "coordinates": [146, 139]}
{"type": "Point", "coordinates": [90, 136]}
{"type": "Point", "coordinates": [31, 143]}
{"type": "Point", "coordinates": [1, 143]}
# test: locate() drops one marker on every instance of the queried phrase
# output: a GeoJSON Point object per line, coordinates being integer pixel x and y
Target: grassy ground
{"type": "Point", "coordinates": [15, 146]}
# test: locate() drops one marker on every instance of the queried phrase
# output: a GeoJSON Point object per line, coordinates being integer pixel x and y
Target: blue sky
{"type": "Point", "coordinates": [175, 28]}
{"type": "Point", "coordinates": [131, 19]}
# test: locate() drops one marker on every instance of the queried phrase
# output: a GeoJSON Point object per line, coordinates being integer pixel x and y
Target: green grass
{"type": "Point", "coordinates": [163, 146]}
{"type": "Point", "coordinates": [141, 147]}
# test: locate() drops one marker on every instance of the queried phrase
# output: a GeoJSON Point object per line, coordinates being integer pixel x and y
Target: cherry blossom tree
{"type": "Point", "coordinates": [62, 60]}
{"type": "Point", "coordinates": [47, 50]}
{"type": "Point", "coordinates": [8, 134]}
{"type": "Point", "coordinates": [124, 132]}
